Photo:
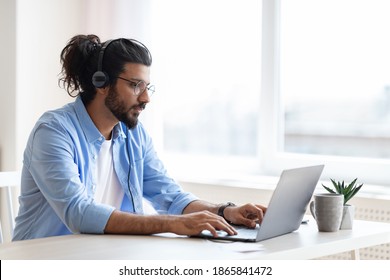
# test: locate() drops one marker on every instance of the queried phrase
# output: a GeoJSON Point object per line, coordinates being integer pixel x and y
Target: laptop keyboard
{"type": "Point", "coordinates": [244, 232]}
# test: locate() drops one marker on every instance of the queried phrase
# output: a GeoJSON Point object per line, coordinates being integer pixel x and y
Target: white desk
{"type": "Point", "coordinates": [305, 243]}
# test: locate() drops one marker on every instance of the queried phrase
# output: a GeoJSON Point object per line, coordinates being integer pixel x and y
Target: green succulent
{"type": "Point", "coordinates": [348, 191]}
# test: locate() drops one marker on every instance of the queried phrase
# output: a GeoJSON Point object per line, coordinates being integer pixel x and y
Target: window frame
{"type": "Point", "coordinates": [269, 160]}
{"type": "Point", "coordinates": [368, 170]}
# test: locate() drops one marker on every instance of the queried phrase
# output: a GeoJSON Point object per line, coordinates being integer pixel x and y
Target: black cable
{"type": "Point", "coordinates": [128, 156]}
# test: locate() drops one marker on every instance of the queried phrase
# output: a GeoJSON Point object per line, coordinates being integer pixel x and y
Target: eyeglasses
{"type": "Point", "coordinates": [140, 86]}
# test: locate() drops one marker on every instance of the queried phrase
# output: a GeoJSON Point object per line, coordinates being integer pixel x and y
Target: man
{"type": "Point", "coordinates": [89, 166]}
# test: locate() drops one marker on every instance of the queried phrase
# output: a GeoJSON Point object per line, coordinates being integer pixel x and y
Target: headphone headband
{"type": "Point", "coordinates": [100, 79]}
{"type": "Point", "coordinates": [101, 54]}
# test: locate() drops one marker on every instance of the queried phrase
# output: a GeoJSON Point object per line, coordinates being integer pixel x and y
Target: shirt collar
{"type": "Point", "coordinates": [90, 130]}
{"type": "Point", "coordinates": [118, 130]}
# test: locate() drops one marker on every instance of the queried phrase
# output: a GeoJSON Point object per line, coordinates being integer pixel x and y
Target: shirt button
{"type": "Point", "coordinates": [94, 187]}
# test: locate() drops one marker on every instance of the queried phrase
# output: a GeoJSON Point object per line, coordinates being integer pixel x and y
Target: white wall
{"type": "Point", "coordinates": [7, 91]}
{"type": "Point", "coordinates": [33, 35]}
{"type": "Point", "coordinates": [43, 28]}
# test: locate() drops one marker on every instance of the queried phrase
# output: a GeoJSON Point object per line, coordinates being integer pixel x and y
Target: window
{"type": "Point", "coordinates": [250, 86]}
{"type": "Point", "coordinates": [335, 77]}
{"type": "Point", "coordinates": [326, 87]}
{"type": "Point", "coordinates": [207, 67]}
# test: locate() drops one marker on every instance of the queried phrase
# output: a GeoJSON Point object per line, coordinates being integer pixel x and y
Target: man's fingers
{"type": "Point", "coordinates": [206, 220]}
{"type": "Point", "coordinates": [220, 224]}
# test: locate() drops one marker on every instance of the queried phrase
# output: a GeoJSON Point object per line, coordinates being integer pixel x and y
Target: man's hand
{"type": "Point", "coordinates": [195, 223]}
{"type": "Point", "coordinates": [248, 214]}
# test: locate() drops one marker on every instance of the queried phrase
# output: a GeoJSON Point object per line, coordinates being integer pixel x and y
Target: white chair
{"type": "Point", "coordinates": [8, 180]}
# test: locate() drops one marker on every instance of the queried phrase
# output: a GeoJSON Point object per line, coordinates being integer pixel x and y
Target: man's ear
{"type": "Point", "coordinates": [102, 91]}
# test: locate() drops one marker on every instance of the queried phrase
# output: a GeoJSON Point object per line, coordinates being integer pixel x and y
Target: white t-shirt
{"type": "Point", "coordinates": [108, 189]}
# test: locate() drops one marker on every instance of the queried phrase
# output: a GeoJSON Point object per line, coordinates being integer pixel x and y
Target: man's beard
{"type": "Point", "coordinates": [120, 112]}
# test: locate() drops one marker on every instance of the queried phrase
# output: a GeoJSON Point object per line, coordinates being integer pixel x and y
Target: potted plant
{"type": "Point", "coordinates": [348, 191]}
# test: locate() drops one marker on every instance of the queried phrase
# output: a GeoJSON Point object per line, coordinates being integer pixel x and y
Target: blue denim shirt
{"type": "Point", "coordinates": [58, 182]}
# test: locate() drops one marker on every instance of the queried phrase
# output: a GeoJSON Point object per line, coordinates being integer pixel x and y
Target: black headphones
{"type": "Point", "coordinates": [100, 79]}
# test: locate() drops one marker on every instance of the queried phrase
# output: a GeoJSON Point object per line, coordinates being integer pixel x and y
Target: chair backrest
{"type": "Point", "coordinates": [8, 180]}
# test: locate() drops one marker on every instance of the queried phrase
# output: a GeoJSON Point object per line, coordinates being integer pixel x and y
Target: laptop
{"type": "Point", "coordinates": [285, 210]}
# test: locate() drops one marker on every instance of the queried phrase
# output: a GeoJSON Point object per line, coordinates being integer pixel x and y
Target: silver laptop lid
{"type": "Point", "coordinates": [289, 201]}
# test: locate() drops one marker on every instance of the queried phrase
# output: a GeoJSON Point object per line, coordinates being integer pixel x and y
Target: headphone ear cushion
{"type": "Point", "coordinates": [100, 79]}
